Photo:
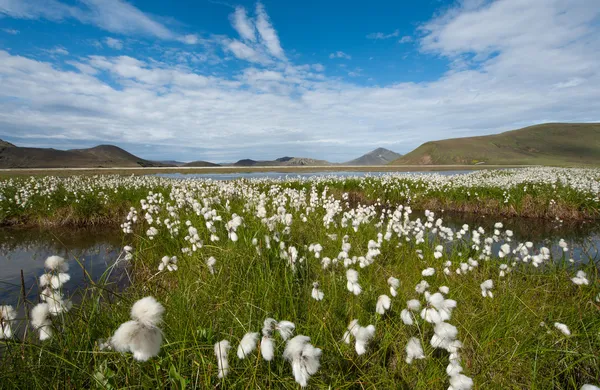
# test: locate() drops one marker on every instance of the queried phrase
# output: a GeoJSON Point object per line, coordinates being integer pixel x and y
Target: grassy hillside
{"type": "Point", "coordinates": [546, 144]}
{"type": "Point", "coordinates": [99, 156]}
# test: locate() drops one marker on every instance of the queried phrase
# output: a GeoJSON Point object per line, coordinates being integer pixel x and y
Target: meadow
{"type": "Point", "coordinates": [387, 295]}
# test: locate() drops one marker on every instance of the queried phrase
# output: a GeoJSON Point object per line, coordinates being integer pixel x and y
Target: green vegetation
{"type": "Point", "coordinates": [554, 144]}
{"type": "Point", "coordinates": [509, 341]}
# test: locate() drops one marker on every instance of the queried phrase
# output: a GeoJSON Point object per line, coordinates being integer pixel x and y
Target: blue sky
{"type": "Point", "coordinates": [220, 81]}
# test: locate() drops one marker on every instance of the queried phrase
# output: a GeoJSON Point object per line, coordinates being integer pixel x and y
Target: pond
{"type": "Point", "coordinates": [91, 251]}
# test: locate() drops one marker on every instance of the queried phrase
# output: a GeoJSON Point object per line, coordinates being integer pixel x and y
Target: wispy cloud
{"type": "Point", "coordinates": [340, 54]}
{"type": "Point", "coordinates": [113, 43]}
{"type": "Point", "coordinates": [406, 39]}
{"type": "Point", "coordinates": [10, 31]}
{"type": "Point", "coordinates": [58, 50]}
{"type": "Point", "coordinates": [380, 35]}
{"type": "Point", "coordinates": [111, 15]}
{"type": "Point", "coordinates": [243, 25]}
{"type": "Point", "coordinates": [264, 49]}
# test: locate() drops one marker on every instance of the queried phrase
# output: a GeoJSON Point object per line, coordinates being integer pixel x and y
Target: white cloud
{"type": "Point", "coordinates": [405, 39]}
{"type": "Point", "coordinates": [267, 32]}
{"type": "Point", "coordinates": [318, 67]}
{"type": "Point", "coordinates": [58, 50]}
{"type": "Point", "coordinates": [190, 39]}
{"type": "Point", "coordinates": [340, 54]}
{"type": "Point", "coordinates": [10, 31]}
{"type": "Point", "coordinates": [380, 35]}
{"type": "Point", "coordinates": [245, 52]}
{"type": "Point", "coordinates": [243, 25]}
{"type": "Point", "coordinates": [267, 50]}
{"type": "Point", "coordinates": [116, 16]}
{"type": "Point", "coordinates": [113, 43]}
{"type": "Point", "coordinates": [499, 79]}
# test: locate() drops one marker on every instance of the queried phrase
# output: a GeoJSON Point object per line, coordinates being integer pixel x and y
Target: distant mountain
{"type": "Point", "coordinates": [281, 162]}
{"type": "Point", "coordinates": [6, 144]}
{"type": "Point", "coordinates": [171, 162]}
{"type": "Point", "coordinates": [102, 156]}
{"type": "Point", "coordinates": [546, 144]}
{"type": "Point", "coordinates": [379, 156]}
{"type": "Point", "coordinates": [200, 163]}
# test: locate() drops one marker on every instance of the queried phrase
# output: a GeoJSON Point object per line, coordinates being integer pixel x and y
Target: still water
{"type": "Point", "coordinates": [88, 251]}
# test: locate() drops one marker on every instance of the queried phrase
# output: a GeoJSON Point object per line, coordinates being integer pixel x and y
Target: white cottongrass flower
{"type": "Point", "coordinates": [394, 285]}
{"type": "Point", "coordinates": [141, 335]}
{"type": "Point", "coordinates": [442, 305]}
{"type": "Point", "coordinates": [460, 382]}
{"type": "Point", "coordinates": [363, 336]}
{"type": "Point", "coordinates": [170, 263]}
{"type": "Point", "coordinates": [428, 271]}
{"type": "Point", "coordinates": [407, 317]}
{"type": "Point", "coordinates": [563, 245]}
{"type": "Point", "coordinates": [285, 328]}
{"type": "Point", "coordinates": [57, 264]}
{"type": "Point", "coordinates": [57, 273]}
{"type": "Point", "coordinates": [221, 352]}
{"type": "Point", "coordinates": [421, 287]}
{"type": "Point", "coordinates": [352, 284]}
{"type": "Point", "coordinates": [580, 278]}
{"type": "Point", "coordinates": [267, 349]}
{"type": "Point", "coordinates": [589, 387]}
{"type": "Point", "coordinates": [316, 293]}
{"type": "Point", "coordinates": [247, 344]}
{"type": "Point", "coordinates": [504, 250]}
{"type": "Point", "coordinates": [303, 357]}
{"type": "Point", "coordinates": [210, 263]}
{"type": "Point", "coordinates": [352, 329]}
{"type": "Point", "coordinates": [414, 350]}
{"type": "Point", "coordinates": [563, 328]}
{"type": "Point", "coordinates": [444, 335]}
{"type": "Point", "coordinates": [383, 303]}
{"type": "Point", "coordinates": [40, 320]}
{"type": "Point", "coordinates": [7, 315]}
{"type": "Point", "coordinates": [486, 288]}
{"type": "Point", "coordinates": [444, 290]}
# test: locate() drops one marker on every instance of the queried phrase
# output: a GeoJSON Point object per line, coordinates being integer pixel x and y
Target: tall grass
{"type": "Point", "coordinates": [509, 340]}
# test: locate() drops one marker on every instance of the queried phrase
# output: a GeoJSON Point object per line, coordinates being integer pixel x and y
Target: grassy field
{"type": "Point", "coordinates": [264, 267]}
{"type": "Point", "coordinates": [552, 144]}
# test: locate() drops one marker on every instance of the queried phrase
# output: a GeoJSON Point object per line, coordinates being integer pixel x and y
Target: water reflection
{"type": "Point", "coordinates": [88, 250]}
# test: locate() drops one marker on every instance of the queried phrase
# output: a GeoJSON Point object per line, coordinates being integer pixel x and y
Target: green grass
{"type": "Point", "coordinates": [555, 144]}
{"type": "Point", "coordinates": [504, 345]}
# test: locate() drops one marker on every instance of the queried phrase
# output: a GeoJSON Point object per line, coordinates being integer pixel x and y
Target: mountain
{"type": "Point", "coordinates": [200, 163]}
{"type": "Point", "coordinates": [379, 156]}
{"type": "Point", "coordinates": [101, 156]}
{"type": "Point", "coordinates": [281, 162]}
{"type": "Point", "coordinates": [545, 144]}
{"type": "Point", "coordinates": [171, 163]}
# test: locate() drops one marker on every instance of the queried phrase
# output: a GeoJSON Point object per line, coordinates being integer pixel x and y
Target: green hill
{"type": "Point", "coordinates": [546, 144]}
